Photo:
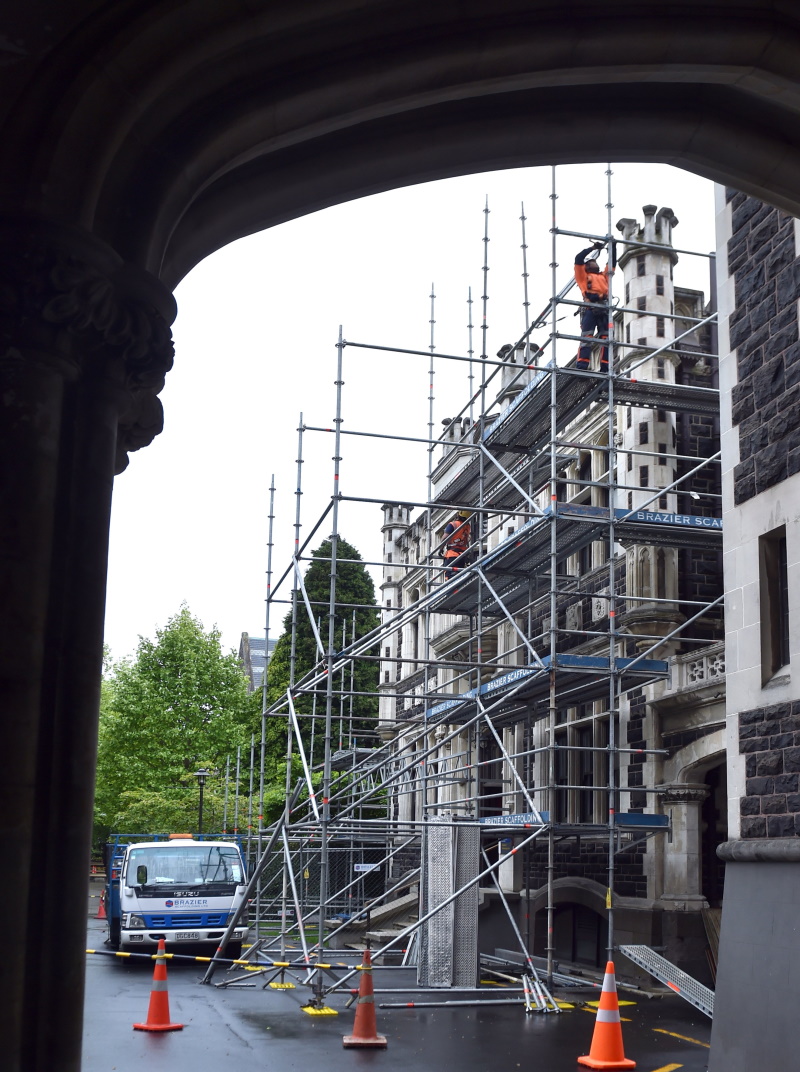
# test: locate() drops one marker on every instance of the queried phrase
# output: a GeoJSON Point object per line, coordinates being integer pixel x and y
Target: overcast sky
{"type": "Point", "coordinates": [255, 345]}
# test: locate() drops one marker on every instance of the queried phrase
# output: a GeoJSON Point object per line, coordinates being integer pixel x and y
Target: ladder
{"type": "Point", "coordinates": [684, 985]}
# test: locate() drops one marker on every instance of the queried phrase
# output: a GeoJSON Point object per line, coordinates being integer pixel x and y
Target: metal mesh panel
{"type": "Point", "coordinates": [449, 940]}
{"type": "Point", "coordinates": [465, 930]}
{"type": "Point", "coordinates": [436, 953]}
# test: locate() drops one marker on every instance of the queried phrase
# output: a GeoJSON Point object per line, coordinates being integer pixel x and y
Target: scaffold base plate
{"type": "Point", "coordinates": [324, 1010]}
{"type": "Point", "coordinates": [283, 986]}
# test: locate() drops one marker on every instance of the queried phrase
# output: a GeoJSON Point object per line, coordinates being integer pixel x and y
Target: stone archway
{"type": "Point", "coordinates": [138, 139]}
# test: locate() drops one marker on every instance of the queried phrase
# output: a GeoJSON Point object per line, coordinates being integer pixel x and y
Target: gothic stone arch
{"type": "Point", "coordinates": [139, 138]}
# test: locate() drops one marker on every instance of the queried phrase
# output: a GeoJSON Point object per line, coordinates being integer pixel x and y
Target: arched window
{"type": "Point", "coordinates": [645, 580]}
{"type": "Point", "coordinates": [661, 574]}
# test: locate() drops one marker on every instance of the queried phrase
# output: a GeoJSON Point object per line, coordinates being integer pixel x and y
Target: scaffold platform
{"type": "Point", "coordinates": [523, 556]}
{"type": "Point", "coordinates": [580, 677]}
{"type": "Point", "coordinates": [525, 426]}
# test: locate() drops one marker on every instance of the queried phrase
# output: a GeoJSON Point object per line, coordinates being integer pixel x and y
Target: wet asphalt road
{"type": "Point", "coordinates": [265, 1029]}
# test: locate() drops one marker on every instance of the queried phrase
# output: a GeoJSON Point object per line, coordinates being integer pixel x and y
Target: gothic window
{"type": "Point", "coordinates": [562, 778]}
{"type": "Point", "coordinates": [585, 560]}
{"type": "Point", "coordinates": [629, 417]}
{"type": "Point", "coordinates": [774, 599]}
{"type": "Point", "coordinates": [659, 284]}
{"type": "Point", "coordinates": [641, 305]}
{"type": "Point", "coordinates": [585, 471]}
{"type": "Point", "coordinates": [661, 574]}
{"type": "Point", "coordinates": [585, 772]}
{"type": "Point", "coordinates": [661, 415]}
{"type": "Point", "coordinates": [662, 450]}
{"type": "Point", "coordinates": [583, 731]}
{"type": "Point", "coordinates": [640, 265]}
{"type": "Point", "coordinates": [644, 432]}
{"type": "Point", "coordinates": [660, 327]}
{"type": "Point", "coordinates": [642, 342]}
{"type": "Point", "coordinates": [627, 333]}
{"type": "Point", "coordinates": [630, 461]}
{"type": "Point", "coordinates": [662, 502]}
{"type": "Point", "coordinates": [661, 365]}
{"type": "Point", "coordinates": [644, 575]}
{"type": "Point", "coordinates": [627, 293]}
{"type": "Point", "coordinates": [644, 476]}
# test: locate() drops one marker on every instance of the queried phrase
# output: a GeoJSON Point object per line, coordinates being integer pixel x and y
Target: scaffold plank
{"type": "Point", "coordinates": [682, 984]}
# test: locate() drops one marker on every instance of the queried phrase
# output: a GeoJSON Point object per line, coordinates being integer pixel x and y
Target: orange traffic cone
{"type": "Point", "coordinates": [158, 1010]}
{"type": "Point", "coordinates": [101, 910]}
{"type": "Point", "coordinates": [607, 1050]}
{"type": "Point", "coordinates": [365, 1032]}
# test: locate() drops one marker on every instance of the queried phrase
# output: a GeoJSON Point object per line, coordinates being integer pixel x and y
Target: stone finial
{"type": "Point", "coordinates": [627, 227]}
{"type": "Point", "coordinates": [665, 221]}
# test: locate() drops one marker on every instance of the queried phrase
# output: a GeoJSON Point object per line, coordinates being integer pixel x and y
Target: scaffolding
{"type": "Point", "coordinates": [497, 738]}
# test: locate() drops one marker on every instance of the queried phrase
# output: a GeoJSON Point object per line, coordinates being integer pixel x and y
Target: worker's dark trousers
{"type": "Point", "coordinates": [594, 318]}
{"type": "Point", "coordinates": [453, 563]}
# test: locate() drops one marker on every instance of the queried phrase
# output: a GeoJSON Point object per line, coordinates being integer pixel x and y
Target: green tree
{"type": "Point", "coordinates": [356, 615]}
{"type": "Point", "coordinates": [179, 705]}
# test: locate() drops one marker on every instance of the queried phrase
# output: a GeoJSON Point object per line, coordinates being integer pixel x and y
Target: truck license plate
{"type": "Point", "coordinates": [187, 936]}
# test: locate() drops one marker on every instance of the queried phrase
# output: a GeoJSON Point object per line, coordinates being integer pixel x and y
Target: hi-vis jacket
{"type": "Point", "coordinates": [459, 538]}
{"type": "Point", "coordinates": [594, 285]}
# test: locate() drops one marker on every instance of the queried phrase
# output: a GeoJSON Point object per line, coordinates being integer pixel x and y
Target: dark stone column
{"type": "Point", "coordinates": [84, 348]}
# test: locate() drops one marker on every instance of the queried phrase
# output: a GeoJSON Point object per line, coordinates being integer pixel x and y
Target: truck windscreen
{"type": "Point", "coordinates": [184, 865]}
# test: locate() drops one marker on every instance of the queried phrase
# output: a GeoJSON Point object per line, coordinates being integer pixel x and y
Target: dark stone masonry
{"type": "Point", "coordinates": [762, 258]}
{"type": "Point", "coordinates": [770, 739]}
{"type": "Point", "coordinates": [589, 860]}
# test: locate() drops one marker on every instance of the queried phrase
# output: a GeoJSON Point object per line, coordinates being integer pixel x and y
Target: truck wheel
{"type": "Point", "coordinates": [114, 927]}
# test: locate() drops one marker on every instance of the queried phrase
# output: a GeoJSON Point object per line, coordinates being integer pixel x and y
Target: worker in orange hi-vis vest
{"type": "Point", "coordinates": [457, 534]}
{"type": "Point", "coordinates": [594, 315]}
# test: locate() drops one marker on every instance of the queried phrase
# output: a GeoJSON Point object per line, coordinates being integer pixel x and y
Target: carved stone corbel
{"type": "Point", "coordinates": [69, 303]}
{"type": "Point", "coordinates": [688, 793]}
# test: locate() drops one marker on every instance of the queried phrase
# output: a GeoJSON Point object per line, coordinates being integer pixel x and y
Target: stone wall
{"type": "Point", "coordinates": [762, 258]}
{"type": "Point", "coordinates": [770, 739]}
{"type": "Point", "coordinates": [587, 858]}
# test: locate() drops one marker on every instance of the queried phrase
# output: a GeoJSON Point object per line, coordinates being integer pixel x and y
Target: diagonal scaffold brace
{"type": "Point", "coordinates": [251, 885]}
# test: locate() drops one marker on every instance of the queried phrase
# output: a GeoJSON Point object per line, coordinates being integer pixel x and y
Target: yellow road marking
{"type": "Point", "coordinates": [668, 1068]}
{"type": "Point", "coordinates": [683, 1038]}
{"type": "Point", "coordinates": [624, 1019]}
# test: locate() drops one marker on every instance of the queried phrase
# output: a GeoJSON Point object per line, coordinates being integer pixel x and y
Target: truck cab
{"type": "Point", "coordinates": [180, 889]}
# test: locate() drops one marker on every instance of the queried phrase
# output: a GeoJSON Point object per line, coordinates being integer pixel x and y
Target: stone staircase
{"type": "Point", "coordinates": [385, 922]}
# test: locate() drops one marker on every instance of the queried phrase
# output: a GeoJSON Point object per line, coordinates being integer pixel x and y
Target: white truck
{"type": "Point", "coordinates": [180, 889]}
